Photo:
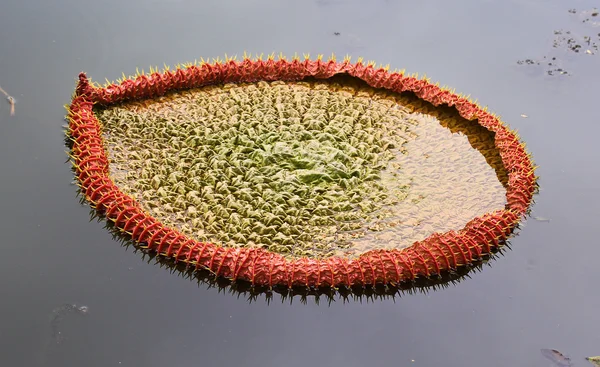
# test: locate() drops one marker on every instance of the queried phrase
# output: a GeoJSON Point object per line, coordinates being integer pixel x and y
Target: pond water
{"type": "Point", "coordinates": [541, 294]}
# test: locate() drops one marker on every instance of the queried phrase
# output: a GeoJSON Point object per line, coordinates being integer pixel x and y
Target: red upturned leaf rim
{"type": "Point", "coordinates": [423, 259]}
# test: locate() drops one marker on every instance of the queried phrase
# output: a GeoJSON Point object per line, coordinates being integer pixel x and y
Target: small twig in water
{"type": "Point", "coordinates": [11, 100]}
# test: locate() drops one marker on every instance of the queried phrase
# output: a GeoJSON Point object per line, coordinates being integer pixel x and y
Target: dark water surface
{"type": "Point", "coordinates": [542, 294]}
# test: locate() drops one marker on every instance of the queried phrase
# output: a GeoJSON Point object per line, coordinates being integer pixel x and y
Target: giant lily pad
{"type": "Point", "coordinates": [299, 173]}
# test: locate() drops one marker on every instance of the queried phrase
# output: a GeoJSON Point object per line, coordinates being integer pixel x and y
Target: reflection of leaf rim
{"type": "Point", "coordinates": [425, 258]}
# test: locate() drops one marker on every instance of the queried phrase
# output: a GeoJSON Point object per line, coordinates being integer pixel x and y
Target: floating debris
{"type": "Point", "coordinates": [10, 100]}
{"type": "Point", "coordinates": [524, 116]}
{"type": "Point", "coordinates": [528, 62]}
{"type": "Point", "coordinates": [568, 42]}
{"type": "Point", "coordinates": [53, 343]}
{"type": "Point", "coordinates": [559, 359]}
{"type": "Point", "coordinates": [590, 17]}
{"type": "Point", "coordinates": [59, 313]}
{"type": "Point", "coordinates": [542, 219]}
